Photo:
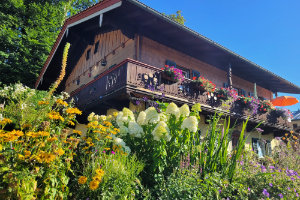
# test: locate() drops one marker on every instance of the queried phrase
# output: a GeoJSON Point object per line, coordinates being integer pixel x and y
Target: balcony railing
{"type": "Point", "coordinates": [133, 77]}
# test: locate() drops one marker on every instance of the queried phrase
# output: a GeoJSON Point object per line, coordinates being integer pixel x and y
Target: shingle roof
{"type": "Point", "coordinates": [296, 115]}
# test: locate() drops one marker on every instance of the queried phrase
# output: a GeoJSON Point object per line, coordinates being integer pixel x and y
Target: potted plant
{"type": "Point", "coordinates": [264, 106]}
{"type": "Point", "coordinates": [243, 102]}
{"type": "Point", "coordinates": [223, 93]}
{"type": "Point", "coordinates": [172, 74]}
{"type": "Point", "coordinates": [203, 85]}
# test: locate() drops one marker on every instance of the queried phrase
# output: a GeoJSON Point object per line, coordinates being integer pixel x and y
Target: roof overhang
{"type": "Point", "coordinates": [146, 21]}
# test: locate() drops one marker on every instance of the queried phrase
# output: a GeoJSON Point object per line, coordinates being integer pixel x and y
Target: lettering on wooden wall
{"type": "Point", "coordinates": [112, 79]}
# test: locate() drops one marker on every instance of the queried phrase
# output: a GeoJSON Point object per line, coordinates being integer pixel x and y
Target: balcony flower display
{"type": "Point", "coordinates": [203, 84]}
{"type": "Point", "coordinates": [264, 106]}
{"type": "Point", "coordinates": [244, 102]}
{"type": "Point", "coordinates": [284, 113]}
{"type": "Point", "coordinates": [225, 93]}
{"type": "Point", "coordinates": [172, 74]}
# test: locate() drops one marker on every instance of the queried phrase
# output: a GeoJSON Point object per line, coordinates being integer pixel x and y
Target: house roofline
{"type": "Point", "coordinates": [93, 11]}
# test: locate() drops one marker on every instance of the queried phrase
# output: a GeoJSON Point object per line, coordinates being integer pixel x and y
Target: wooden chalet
{"type": "Point", "coordinates": [118, 48]}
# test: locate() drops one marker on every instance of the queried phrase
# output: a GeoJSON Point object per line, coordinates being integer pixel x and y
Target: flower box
{"type": "Point", "coordinates": [172, 74]}
{"type": "Point", "coordinates": [196, 85]}
{"type": "Point", "coordinates": [169, 77]}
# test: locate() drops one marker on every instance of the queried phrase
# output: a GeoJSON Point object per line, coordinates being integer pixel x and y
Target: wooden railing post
{"type": "Point", "coordinates": [229, 76]}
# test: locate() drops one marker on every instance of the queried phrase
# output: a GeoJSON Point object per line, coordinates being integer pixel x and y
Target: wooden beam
{"type": "Point", "coordinates": [229, 76]}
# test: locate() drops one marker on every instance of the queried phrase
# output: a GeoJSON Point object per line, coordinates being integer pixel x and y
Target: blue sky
{"type": "Point", "coordinates": [266, 32]}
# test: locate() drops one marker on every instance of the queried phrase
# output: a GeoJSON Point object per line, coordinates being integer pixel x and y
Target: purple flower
{"type": "Point", "coordinates": [297, 195]}
{"type": "Point", "coordinates": [137, 102]}
{"type": "Point", "coordinates": [104, 151]}
{"type": "Point", "coordinates": [260, 130]}
{"type": "Point", "coordinates": [288, 188]}
{"type": "Point", "coordinates": [295, 190]}
{"type": "Point", "coordinates": [249, 189]}
{"type": "Point", "coordinates": [266, 193]}
{"type": "Point", "coordinates": [220, 191]}
{"type": "Point", "coordinates": [145, 98]}
{"type": "Point", "coordinates": [112, 152]}
{"type": "Point", "coordinates": [292, 178]}
{"type": "Point", "coordinates": [271, 167]}
{"type": "Point", "coordinates": [270, 184]}
{"type": "Point", "coordinates": [280, 196]}
{"type": "Point", "coordinates": [242, 162]}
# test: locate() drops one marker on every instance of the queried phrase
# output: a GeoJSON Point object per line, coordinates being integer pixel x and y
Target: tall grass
{"type": "Point", "coordinates": [214, 154]}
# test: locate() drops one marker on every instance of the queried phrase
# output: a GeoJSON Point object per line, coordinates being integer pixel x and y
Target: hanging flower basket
{"type": "Point", "coordinates": [172, 74]}
{"type": "Point", "coordinates": [196, 85]}
{"type": "Point", "coordinates": [169, 77]}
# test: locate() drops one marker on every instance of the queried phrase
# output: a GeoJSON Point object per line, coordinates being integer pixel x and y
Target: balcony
{"type": "Point", "coordinates": [133, 79]}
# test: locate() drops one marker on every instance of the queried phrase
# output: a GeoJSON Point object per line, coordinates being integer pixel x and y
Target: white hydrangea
{"type": "Point", "coordinates": [184, 110]}
{"type": "Point", "coordinates": [123, 130]}
{"type": "Point", "coordinates": [119, 141]}
{"type": "Point", "coordinates": [163, 117]}
{"type": "Point", "coordinates": [191, 123]}
{"type": "Point", "coordinates": [161, 131]}
{"type": "Point", "coordinates": [173, 109]}
{"type": "Point", "coordinates": [127, 150]}
{"type": "Point", "coordinates": [135, 129]}
{"type": "Point", "coordinates": [128, 113]}
{"type": "Point", "coordinates": [152, 116]}
{"type": "Point", "coordinates": [141, 118]}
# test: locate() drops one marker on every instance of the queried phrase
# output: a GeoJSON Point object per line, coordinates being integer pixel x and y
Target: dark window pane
{"type": "Point", "coordinates": [88, 54]}
{"type": "Point", "coordinates": [96, 47]}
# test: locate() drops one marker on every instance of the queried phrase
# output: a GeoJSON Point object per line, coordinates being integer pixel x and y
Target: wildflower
{"type": "Point", "coordinates": [141, 118]}
{"type": "Point", "coordinates": [77, 132]}
{"type": "Point", "coordinates": [112, 152]}
{"type": "Point", "coordinates": [73, 111]}
{"type": "Point", "coordinates": [280, 196]}
{"type": "Point", "coordinates": [119, 141]}
{"type": "Point", "coordinates": [249, 189]}
{"type": "Point", "coordinates": [91, 117]}
{"type": "Point", "coordinates": [172, 109]}
{"type": "Point", "coordinates": [152, 116]}
{"type": "Point", "coordinates": [161, 131]}
{"type": "Point", "coordinates": [52, 139]}
{"type": "Point", "coordinates": [82, 180]}
{"type": "Point", "coordinates": [43, 103]}
{"type": "Point", "coordinates": [5, 121]}
{"type": "Point", "coordinates": [108, 137]}
{"type": "Point", "coordinates": [191, 123]}
{"type": "Point", "coordinates": [61, 102]}
{"type": "Point", "coordinates": [55, 115]}
{"type": "Point", "coordinates": [100, 172]}
{"type": "Point", "coordinates": [92, 124]}
{"type": "Point", "coordinates": [184, 110]}
{"type": "Point", "coordinates": [270, 184]}
{"type": "Point", "coordinates": [135, 129]}
{"type": "Point", "coordinates": [265, 192]}
{"type": "Point", "coordinates": [283, 138]}
{"type": "Point", "coordinates": [60, 152]}
{"type": "Point", "coordinates": [71, 123]}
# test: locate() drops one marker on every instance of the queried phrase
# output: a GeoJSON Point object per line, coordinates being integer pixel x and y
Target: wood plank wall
{"type": "Point", "coordinates": [156, 54]}
{"type": "Point", "coordinates": [114, 45]}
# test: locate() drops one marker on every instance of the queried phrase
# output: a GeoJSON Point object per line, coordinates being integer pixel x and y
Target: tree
{"type": "Point", "coordinates": [28, 30]}
{"type": "Point", "coordinates": [177, 17]}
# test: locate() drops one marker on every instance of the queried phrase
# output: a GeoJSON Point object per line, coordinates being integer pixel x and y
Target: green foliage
{"type": "Point", "coordinates": [178, 17]}
{"type": "Point", "coordinates": [28, 30]}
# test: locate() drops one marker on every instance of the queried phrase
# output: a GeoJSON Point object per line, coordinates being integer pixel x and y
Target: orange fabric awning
{"type": "Point", "coordinates": [284, 101]}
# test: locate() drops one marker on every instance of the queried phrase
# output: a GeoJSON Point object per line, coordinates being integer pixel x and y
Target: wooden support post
{"type": "Point", "coordinates": [137, 46]}
{"type": "Point", "coordinates": [229, 76]}
{"type": "Point", "coordinates": [276, 95]}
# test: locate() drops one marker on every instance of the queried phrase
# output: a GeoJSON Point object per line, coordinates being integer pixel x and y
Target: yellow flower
{"type": "Point", "coordinates": [78, 132]}
{"type": "Point", "coordinates": [55, 115]}
{"type": "Point", "coordinates": [60, 152]}
{"type": "Point", "coordinates": [52, 139]}
{"type": "Point", "coordinates": [286, 134]}
{"type": "Point", "coordinates": [92, 124]}
{"type": "Point", "coordinates": [94, 185]}
{"type": "Point", "coordinates": [107, 123]}
{"type": "Point", "coordinates": [283, 138]}
{"type": "Point", "coordinates": [291, 132]}
{"type": "Point", "coordinates": [82, 180]}
{"type": "Point", "coordinates": [115, 114]}
{"type": "Point", "coordinates": [5, 121]}
{"type": "Point", "coordinates": [100, 172]}
{"type": "Point", "coordinates": [73, 111]}
{"type": "Point", "coordinates": [108, 137]}
{"type": "Point", "coordinates": [61, 102]}
{"type": "Point", "coordinates": [107, 149]}
{"type": "Point", "coordinates": [71, 123]}
{"type": "Point", "coordinates": [43, 133]}
{"type": "Point", "coordinates": [21, 157]}
{"type": "Point", "coordinates": [97, 178]}
{"type": "Point", "coordinates": [43, 103]}
{"type": "Point", "coordinates": [27, 154]}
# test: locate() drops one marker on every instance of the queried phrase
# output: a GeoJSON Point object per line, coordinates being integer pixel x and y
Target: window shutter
{"type": "Point", "coordinates": [195, 73]}
{"type": "Point", "coordinates": [268, 148]}
{"type": "Point", "coordinates": [263, 147]}
{"type": "Point", "coordinates": [254, 145]}
{"type": "Point", "coordinates": [170, 63]}
{"type": "Point", "coordinates": [243, 92]}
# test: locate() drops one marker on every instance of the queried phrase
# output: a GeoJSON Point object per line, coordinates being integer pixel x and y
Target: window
{"type": "Point", "coordinates": [96, 47]}
{"type": "Point", "coordinates": [261, 147]}
{"type": "Point", "coordinates": [225, 85]}
{"type": "Point", "coordinates": [195, 74]}
{"type": "Point", "coordinates": [295, 126]}
{"type": "Point", "coordinates": [88, 54]}
{"type": "Point", "coordinates": [78, 81]}
{"type": "Point", "coordinates": [251, 94]}
{"type": "Point", "coordinates": [235, 138]}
